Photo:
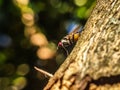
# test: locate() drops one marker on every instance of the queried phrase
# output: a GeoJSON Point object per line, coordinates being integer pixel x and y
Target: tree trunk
{"type": "Point", "coordinates": [96, 54]}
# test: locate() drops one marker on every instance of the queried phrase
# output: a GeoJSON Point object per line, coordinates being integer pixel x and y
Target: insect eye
{"type": "Point", "coordinates": [60, 44]}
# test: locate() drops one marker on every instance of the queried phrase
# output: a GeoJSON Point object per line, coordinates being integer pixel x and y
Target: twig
{"type": "Point", "coordinates": [43, 71]}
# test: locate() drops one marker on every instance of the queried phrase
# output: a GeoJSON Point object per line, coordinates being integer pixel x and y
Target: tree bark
{"type": "Point", "coordinates": [97, 52]}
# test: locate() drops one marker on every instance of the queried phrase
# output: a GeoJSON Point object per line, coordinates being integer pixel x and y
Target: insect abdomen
{"type": "Point", "coordinates": [74, 37]}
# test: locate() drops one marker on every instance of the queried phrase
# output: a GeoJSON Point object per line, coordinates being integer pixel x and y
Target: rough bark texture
{"type": "Point", "coordinates": [97, 52]}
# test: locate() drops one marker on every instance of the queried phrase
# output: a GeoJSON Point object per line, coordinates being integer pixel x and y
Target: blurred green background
{"type": "Point", "coordinates": [29, 33]}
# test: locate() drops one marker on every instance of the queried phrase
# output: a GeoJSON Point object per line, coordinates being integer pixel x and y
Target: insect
{"type": "Point", "coordinates": [70, 39]}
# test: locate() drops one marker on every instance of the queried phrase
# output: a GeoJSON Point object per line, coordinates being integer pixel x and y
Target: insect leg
{"type": "Point", "coordinates": [66, 50]}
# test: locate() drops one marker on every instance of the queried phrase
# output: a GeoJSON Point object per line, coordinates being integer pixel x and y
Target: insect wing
{"type": "Point", "coordinates": [77, 29]}
{"type": "Point", "coordinates": [74, 28]}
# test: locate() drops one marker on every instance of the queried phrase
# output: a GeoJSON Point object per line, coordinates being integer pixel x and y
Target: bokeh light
{"type": "Point", "coordinates": [23, 69]}
{"type": "Point", "coordinates": [5, 40]}
{"type": "Point", "coordinates": [64, 8]}
{"type": "Point", "coordinates": [9, 69]}
{"type": "Point", "coordinates": [56, 3]}
{"type": "Point", "coordinates": [20, 82]}
{"type": "Point", "coordinates": [3, 58]}
{"type": "Point", "coordinates": [4, 82]}
{"type": "Point", "coordinates": [80, 2]}
{"type": "Point", "coordinates": [28, 19]}
{"type": "Point", "coordinates": [38, 39]}
{"type": "Point", "coordinates": [22, 2]}
{"type": "Point", "coordinates": [11, 88]}
{"type": "Point", "coordinates": [80, 12]}
{"type": "Point", "coordinates": [45, 53]}
{"type": "Point", "coordinates": [29, 31]}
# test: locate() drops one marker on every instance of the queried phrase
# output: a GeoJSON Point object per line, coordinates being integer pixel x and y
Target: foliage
{"type": "Point", "coordinates": [28, 28]}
